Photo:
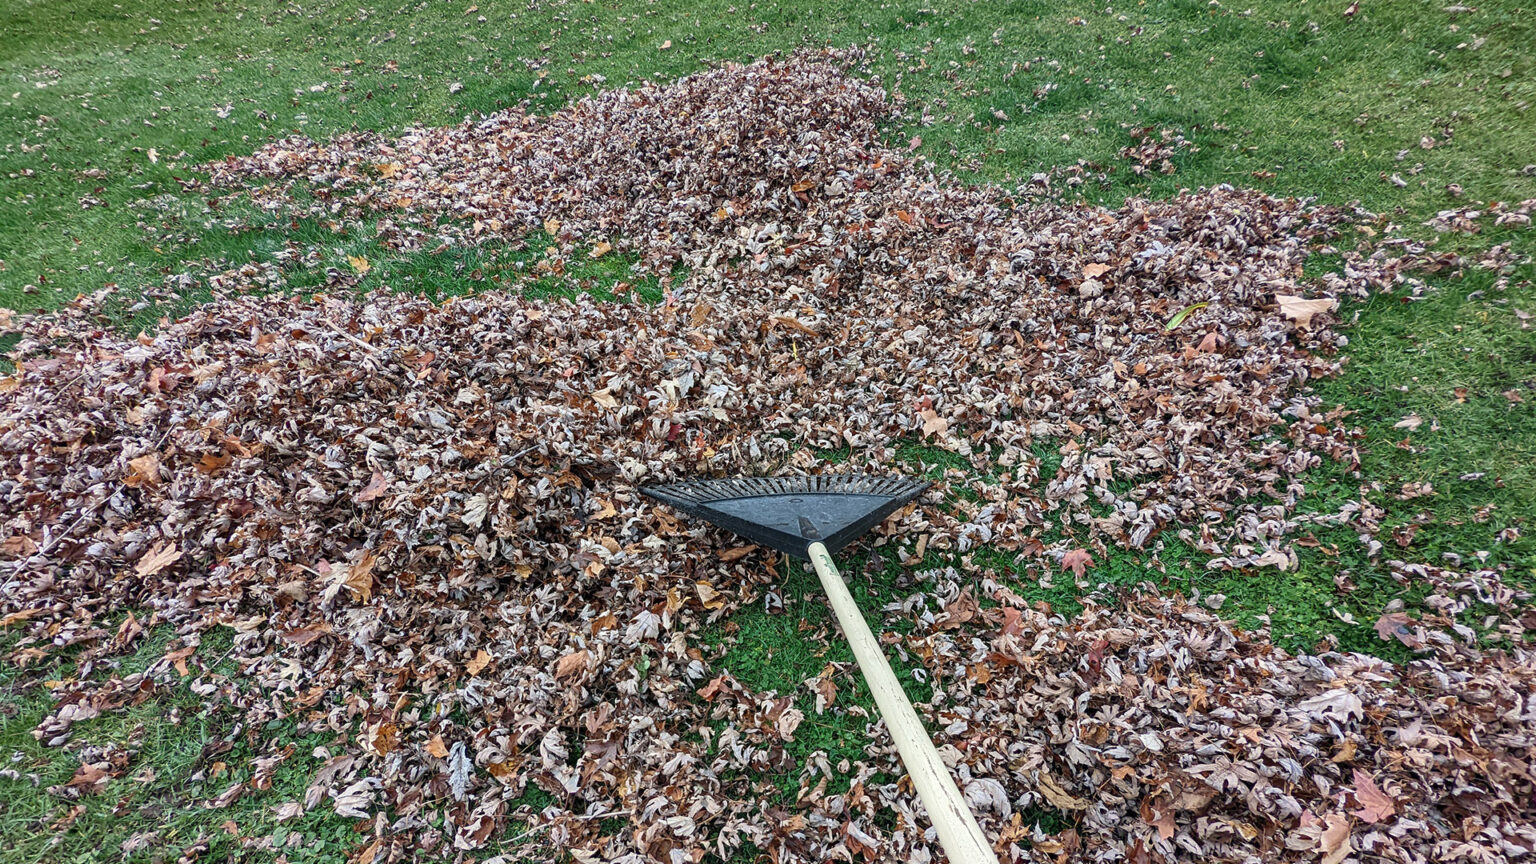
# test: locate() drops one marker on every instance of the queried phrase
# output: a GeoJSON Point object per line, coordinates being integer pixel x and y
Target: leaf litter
{"type": "Point", "coordinates": [420, 520]}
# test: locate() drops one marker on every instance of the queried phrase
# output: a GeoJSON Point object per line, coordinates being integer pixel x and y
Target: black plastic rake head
{"type": "Point", "coordinates": [791, 513]}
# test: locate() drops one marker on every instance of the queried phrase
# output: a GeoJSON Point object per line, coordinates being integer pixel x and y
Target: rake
{"type": "Point", "coordinates": [810, 518]}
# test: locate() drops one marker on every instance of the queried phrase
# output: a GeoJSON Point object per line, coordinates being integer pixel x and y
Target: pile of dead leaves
{"type": "Point", "coordinates": [421, 519]}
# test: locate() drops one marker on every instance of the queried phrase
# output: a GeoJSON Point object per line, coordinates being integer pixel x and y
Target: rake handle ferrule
{"type": "Point", "coordinates": [959, 834]}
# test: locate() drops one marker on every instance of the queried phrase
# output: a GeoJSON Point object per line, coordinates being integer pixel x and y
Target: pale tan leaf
{"type": "Point", "coordinates": [1301, 310]}
{"type": "Point", "coordinates": [157, 559]}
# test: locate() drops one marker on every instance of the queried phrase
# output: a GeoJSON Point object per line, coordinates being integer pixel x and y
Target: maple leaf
{"type": "Point", "coordinates": [1399, 626]}
{"type": "Point", "coordinates": [359, 264]}
{"type": "Point", "coordinates": [933, 424]}
{"type": "Point", "coordinates": [475, 510]}
{"type": "Point", "coordinates": [356, 577]}
{"type": "Point", "coordinates": [1334, 840]}
{"type": "Point", "coordinates": [1078, 561]}
{"type": "Point", "coordinates": [1375, 805]}
{"type": "Point", "coordinates": [477, 663]}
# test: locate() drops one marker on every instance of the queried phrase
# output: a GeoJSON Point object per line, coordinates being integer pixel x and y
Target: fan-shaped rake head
{"type": "Point", "coordinates": [791, 513]}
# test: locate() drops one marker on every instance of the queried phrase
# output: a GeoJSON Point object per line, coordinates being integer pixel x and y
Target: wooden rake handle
{"type": "Point", "coordinates": [959, 834]}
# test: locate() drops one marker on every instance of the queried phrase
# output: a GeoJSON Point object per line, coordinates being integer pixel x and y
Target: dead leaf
{"type": "Point", "coordinates": [1060, 798]}
{"type": "Point", "coordinates": [1334, 841]}
{"type": "Point", "coordinates": [736, 553]}
{"type": "Point", "coordinates": [143, 472]}
{"type": "Point", "coordinates": [1301, 310]}
{"type": "Point", "coordinates": [573, 663]}
{"type": "Point", "coordinates": [1078, 561]}
{"type": "Point", "coordinates": [437, 748]}
{"type": "Point", "coordinates": [933, 424]}
{"type": "Point", "coordinates": [477, 663]}
{"type": "Point", "coordinates": [359, 264]}
{"type": "Point", "coordinates": [376, 487]}
{"type": "Point", "coordinates": [157, 559]}
{"type": "Point", "coordinates": [1375, 805]}
{"type": "Point", "coordinates": [1399, 626]}
{"type": "Point", "coordinates": [708, 596]}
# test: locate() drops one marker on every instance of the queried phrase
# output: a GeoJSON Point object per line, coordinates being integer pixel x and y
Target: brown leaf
{"type": "Point", "coordinates": [736, 553]}
{"type": "Point", "coordinates": [573, 663]}
{"type": "Point", "coordinates": [1375, 805]}
{"type": "Point", "coordinates": [437, 748]}
{"type": "Point", "coordinates": [143, 472]}
{"type": "Point", "coordinates": [477, 663]}
{"type": "Point", "coordinates": [305, 635]}
{"type": "Point", "coordinates": [933, 424]}
{"type": "Point", "coordinates": [1334, 841]}
{"type": "Point", "coordinates": [963, 609]}
{"type": "Point", "coordinates": [1301, 310]}
{"type": "Point", "coordinates": [1060, 798]}
{"type": "Point", "coordinates": [157, 559]}
{"type": "Point", "coordinates": [1094, 271]}
{"type": "Point", "coordinates": [709, 596]}
{"type": "Point", "coordinates": [794, 324]}
{"type": "Point", "coordinates": [376, 487]}
{"type": "Point", "coordinates": [1399, 626]}
{"type": "Point", "coordinates": [356, 577]}
{"type": "Point", "coordinates": [1078, 561]}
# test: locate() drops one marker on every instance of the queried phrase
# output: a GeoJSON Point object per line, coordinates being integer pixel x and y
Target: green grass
{"type": "Point", "coordinates": [182, 751]}
{"type": "Point", "coordinates": [107, 107]}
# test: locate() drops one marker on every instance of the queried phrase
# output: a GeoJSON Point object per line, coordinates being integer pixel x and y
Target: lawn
{"type": "Point", "coordinates": [1405, 108]}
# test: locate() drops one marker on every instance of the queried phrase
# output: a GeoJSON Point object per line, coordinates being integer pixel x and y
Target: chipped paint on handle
{"type": "Point", "coordinates": [961, 837]}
